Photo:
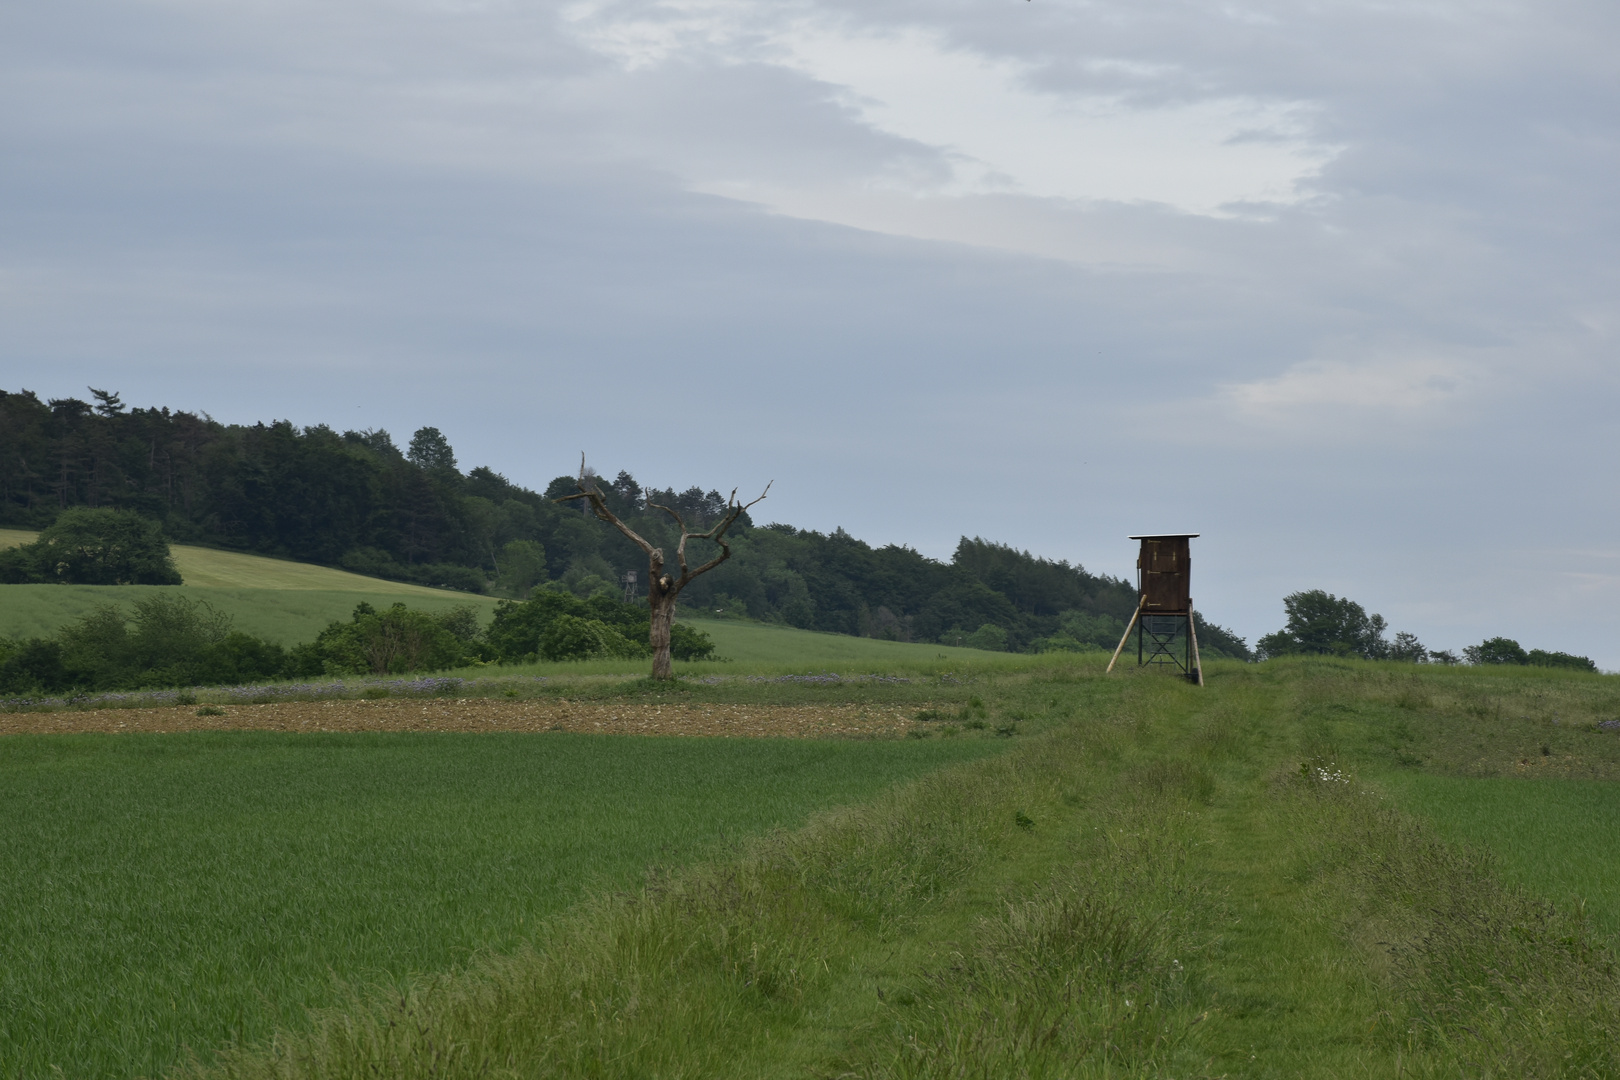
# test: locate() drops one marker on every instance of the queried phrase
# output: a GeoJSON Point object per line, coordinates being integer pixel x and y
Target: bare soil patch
{"type": "Point", "coordinates": [488, 714]}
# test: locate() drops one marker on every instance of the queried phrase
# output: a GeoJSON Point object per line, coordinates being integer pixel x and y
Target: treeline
{"type": "Point", "coordinates": [355, 500]}
{"type": "Point", "coordinates": [168, 640]}
{"type": "Point", "coordinates": [1322, 624]}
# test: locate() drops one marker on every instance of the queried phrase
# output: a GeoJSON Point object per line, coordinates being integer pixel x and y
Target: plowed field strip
{"type": "Point", "coordinates": [484, 714]}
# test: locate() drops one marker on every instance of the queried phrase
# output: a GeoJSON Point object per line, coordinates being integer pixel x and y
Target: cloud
{"type": "Point", "coordinates": [1315, 395]}
{"type": "Point", "coordinates": [1353, 264]}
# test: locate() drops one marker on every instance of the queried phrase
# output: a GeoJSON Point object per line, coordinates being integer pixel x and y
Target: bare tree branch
{"type": "Point", "coordinates": [662, 591]}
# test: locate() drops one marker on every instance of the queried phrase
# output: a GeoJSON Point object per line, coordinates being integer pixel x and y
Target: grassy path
{"type": "Point", "coordinates": [1292, 997]}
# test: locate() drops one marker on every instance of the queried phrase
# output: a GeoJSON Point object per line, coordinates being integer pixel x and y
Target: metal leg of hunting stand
{"type": "Point", "coordinates": [1126, 636]}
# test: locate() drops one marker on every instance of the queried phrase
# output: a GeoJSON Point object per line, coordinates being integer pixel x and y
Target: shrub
{"type": "Point", "coordinates": [1542, 658]}
{"type": "Point", "coordinates": [570, 637]}
{"type": "Point", "coordinates": [515, 634]}
{"type": "Point", "coordinates": [93, 547]}
{"type": "Point", "coordinates": [988, 636]}
{"type": "Point", "coordinates": [687, 643]}
{"type": "Point", "coordinates": [394, 641]}
{"type": "Point", "coordinates": [1496, 650]}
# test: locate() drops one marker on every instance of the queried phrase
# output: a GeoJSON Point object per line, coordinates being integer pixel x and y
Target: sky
{"type": "Point", "coordinates": [1332, 284]}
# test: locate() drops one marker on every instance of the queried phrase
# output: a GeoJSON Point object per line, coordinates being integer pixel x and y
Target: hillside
{"type": "Point", "coordinates": [356, 500]}
{"type": "Point", "coordinates": [276, 599]}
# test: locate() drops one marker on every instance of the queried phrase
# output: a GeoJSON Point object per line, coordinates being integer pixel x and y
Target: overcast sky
{"type": "Point", "coordinates": [1331, 283]}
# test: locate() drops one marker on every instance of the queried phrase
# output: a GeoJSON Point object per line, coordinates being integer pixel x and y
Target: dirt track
{"type": "Point", "coordinates": [486, 714]}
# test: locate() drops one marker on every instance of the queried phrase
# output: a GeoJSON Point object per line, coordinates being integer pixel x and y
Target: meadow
{"type": "Point", "coordinates": [163, 892]}
{"type": "Point", "coordinates": [276, 599]}
{"type": "Point", "coordinates": [1152, 879]}
{"type": "Point", "coordinates": [1560, 838]}
{"type": "Point", "coordinates": [1310, 867]}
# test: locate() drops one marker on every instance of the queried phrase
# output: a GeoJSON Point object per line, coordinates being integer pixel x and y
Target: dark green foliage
{"type": "Point", "coordinates": [93, 547]}
{"type": "Point", "coordinates": [557, 625]}
{"type": "Point", "coordinates": [1496, 650]}
{"type": "Point", "coordinates": [1543, 658]}
{"type": "Point", "coordinates": [31, 666]}
{"type": "Point", "coordinates": [397, 640]}
{"type": "Point", "coordinates": [522, 566]}
{"type": "Point", "coordinates": [1502, 650]}
{"type": "Point", "coordinates": [1407, 648]}
{"type": "Point", "coordinates": [570, 637]}
{"type": "Point", "coordinates": [430, 450]}
{"type": "Point", "coordinates": [1322, 624]}
{"type": "Point", "coordinates": [594, 627]}
{"type": "Point", "coordinates": [167, 640]}
{"type": "Point", "coordinates": [687, 643]}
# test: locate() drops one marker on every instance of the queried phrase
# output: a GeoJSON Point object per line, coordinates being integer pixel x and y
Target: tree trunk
{"type": "Point", "coordinates": [662, 589]}
{"type": "Point", "coordinates": [663, 615]}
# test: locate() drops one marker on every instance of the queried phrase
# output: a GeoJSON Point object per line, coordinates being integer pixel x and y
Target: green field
{"type": "Point", "coordinates": [158, 892]}
{"type": "Point", "coordinates": [281, 601]}
{"type": "Point", "coordinates": [1560, 838]}
{"type": "Point", "coordinates": [1310, 867]}
{"type": "Point", "coordinates": [289, 602]}
{"type": "Point", "coordinates": [783, 646]}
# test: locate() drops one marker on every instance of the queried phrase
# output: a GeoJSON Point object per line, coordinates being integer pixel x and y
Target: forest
{"type": "Point", "coordinates": [357, 500]}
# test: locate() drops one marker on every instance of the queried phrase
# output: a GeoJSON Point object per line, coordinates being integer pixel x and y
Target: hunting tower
{"type": "Point", "coordinates": [1164, 614]}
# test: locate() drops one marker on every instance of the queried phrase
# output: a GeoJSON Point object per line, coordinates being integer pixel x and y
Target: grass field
{"type": "Point", "coordinates": [289, 602]}
{"type": "Point", "coordinates": [283, 601]}
{"type": "Point", "coordinates": [158, 892]}
{"type": "Point", "coordinates": [1309, 868]}
{"type": "Point", "coordinates": [783, 646]}
{"type": "Point", "coordinates": [1559, 838]}
{"type": "Point", "coordinates": [1153, 880]}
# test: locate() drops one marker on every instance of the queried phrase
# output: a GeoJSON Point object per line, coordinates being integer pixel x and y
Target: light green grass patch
{"type": "Point", "coordinates": [164, 891]}
{"type": "Point", "coordinates": [202, 567]}
{"type": "Point", "coordinates": [1559, 838]}
{"type": "Point", "coordinates": [785, 646]}
{"type": "Point", "coordinates": [287, 616]}
{"type": "Point", "coordinates": [277, 599]}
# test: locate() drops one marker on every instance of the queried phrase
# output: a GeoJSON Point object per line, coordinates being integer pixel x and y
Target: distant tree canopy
{"type": "Point", "coordinates": [1501, 650]}
{"type": "Point", "coordinates": [1321, 624]}
{"type": "Point", "coordinates": [353, 499]}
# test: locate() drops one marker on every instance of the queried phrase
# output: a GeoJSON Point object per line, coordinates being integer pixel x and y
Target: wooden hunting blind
{"type": "Point", "coordinates": [1163, 620]}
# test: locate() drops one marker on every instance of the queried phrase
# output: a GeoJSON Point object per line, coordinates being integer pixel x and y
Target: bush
{"type": "Point", "coordinates": [1542, 658]}
{"type": "Point", "coordinates": [394, 641]}
{"type": "Point", "coordinates": [570, 637]}
{"type": "Point", "coordinates": [32, 666]}
{"type": "Point", "coordinates": [93, 547]}
{"type": "Point", "coordinates": [1501, 650]}
{"type": "Point", "coordinates": [1496, 650]}
{"type": "Point", "coordinates": [989, 636]}
{"type": "Point", "coordinates": [688, 643]}
{"type": "Point", "coordinates": [168, 641]}
{"type": "Point", "coordinates": [515, 634]}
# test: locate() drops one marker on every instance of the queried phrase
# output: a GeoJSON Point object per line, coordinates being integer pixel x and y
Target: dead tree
{"type": "Point", "coordinates": [662, 588]}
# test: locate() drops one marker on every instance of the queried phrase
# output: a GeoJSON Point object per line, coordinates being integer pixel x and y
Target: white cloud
{"type": "Point", "coordinates": [1417, 385]}
{"type": "Point", "coordinates": [993, 125]}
